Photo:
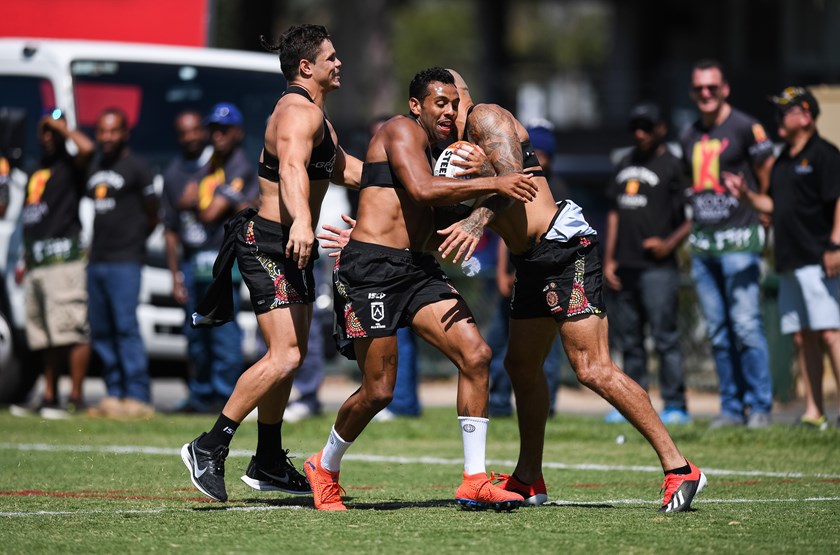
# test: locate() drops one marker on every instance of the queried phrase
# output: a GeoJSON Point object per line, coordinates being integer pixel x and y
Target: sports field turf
{"type": "Point", "coordinates": [92, 486]}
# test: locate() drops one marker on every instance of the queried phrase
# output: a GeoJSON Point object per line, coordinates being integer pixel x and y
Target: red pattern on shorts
{"type": "Point", "coordinates": [352, 325]}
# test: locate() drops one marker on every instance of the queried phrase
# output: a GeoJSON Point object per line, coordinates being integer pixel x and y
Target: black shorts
{"type": "Point", "coordinates": [379, 289]}
{"type": "Point", "coordinates": [558, 280]}
{"type": "Point", "coordinates": [272, 279]}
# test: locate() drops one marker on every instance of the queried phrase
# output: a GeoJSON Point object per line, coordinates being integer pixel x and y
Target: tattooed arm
{"type": "Point", "coordinates": [494, 129]}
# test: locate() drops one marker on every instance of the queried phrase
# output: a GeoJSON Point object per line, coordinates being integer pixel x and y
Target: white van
{"type": "Point", "coordinates": [152, 83]}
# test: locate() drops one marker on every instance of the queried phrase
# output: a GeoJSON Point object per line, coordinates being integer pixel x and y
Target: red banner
{"type": "Point", "coordinates": [180, 22]}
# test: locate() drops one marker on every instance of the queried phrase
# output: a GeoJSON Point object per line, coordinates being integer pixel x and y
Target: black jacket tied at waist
{"type": "Point", "coordinates": [216, 307]}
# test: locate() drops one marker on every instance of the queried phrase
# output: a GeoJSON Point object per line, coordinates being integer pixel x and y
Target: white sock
{"type": "Point", "coordinates": [474, 435]}
{"type": "Point", "coordinates": [333, 451]}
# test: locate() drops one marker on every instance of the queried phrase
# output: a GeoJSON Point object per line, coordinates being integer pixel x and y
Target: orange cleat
{"type": "Point", "coordinates": [534, 494]}
{"type": "Point", "coordinates": [680, 490]}
{"type": "Point", "coordinates": [477, 493]}
{"type": "Point", "coordinates": [325, 489]}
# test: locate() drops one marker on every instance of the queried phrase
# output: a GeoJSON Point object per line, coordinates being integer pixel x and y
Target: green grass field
{"type": "Point", "coordinates": [91, 486]}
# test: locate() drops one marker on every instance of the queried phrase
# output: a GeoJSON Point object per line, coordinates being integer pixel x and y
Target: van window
{"type": "Point", "coordinates": [25, 99]}
{"type": "Point", "coordinates": [152, 94]}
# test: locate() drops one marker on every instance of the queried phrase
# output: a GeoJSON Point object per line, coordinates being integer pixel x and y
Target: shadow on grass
{"type": "Point", "coordinates": [307, 502]}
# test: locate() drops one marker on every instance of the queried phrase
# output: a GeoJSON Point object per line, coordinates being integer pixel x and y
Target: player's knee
{"type": "Point", "coordinates": [283, 365]}
{"type": "Point", "coordinates": [478, 358]}
{"type": "Point", "coordinates": [379, 397]}
{"type": "Point", "coordinates": [593, 373]}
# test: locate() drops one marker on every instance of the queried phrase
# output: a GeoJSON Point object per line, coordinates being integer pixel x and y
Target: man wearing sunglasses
{"type": "Point", "coordinates": [645, 225]}
{"type": "Point", "coordinates": [804, 198]}
{"type": "Point", "coordinates": [726, 239]}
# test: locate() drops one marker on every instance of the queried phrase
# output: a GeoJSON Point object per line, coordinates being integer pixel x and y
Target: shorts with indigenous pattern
{"type": "Point", "coordinates": [379, 289]}
{"type": "Point", "coordinates": [558, 280]}
{"type": "Point", "coordinates": [273, 279]}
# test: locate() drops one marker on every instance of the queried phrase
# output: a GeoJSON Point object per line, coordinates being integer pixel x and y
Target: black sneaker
{"type": "Point", "coordinates": [207, 468]}
{"type": "Point", "coordinates": [281, 477]}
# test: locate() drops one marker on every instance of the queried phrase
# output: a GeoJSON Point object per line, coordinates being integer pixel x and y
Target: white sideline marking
{"type": "Point", "coordinates": [559, 503]}
{"type": "Point", "coordinates": [141, 511]}
{"type": "Point", "coordinates": [563, 502]}
{"type": "Point", "coordinates": [170, 451]}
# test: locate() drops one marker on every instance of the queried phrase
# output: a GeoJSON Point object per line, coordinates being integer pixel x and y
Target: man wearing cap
{"type": "Point", "coordinates": [645, 225]}
{"type": "Point", "coordinates": [803, 198]}
{"type": "Point", "coordinates": [726, 242]}
{"type": "Point", "coordinates": [227, 184]}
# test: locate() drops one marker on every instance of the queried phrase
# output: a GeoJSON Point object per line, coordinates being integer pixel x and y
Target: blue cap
{"type": "Point", "coordinates": [224, 113]}
{"type": "Point", "coordinates": [542, 138]}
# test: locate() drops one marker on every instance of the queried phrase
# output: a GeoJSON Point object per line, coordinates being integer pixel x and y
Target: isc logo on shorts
{"type": "Point", "coordinates": [377, 314]}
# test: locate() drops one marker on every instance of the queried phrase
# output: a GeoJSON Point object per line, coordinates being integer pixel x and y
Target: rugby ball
{"type": "Point", "coordinates": [445, 168]}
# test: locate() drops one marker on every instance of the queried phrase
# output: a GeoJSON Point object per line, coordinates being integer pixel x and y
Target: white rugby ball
{"type": "Point", "coordinates": [445, 168]}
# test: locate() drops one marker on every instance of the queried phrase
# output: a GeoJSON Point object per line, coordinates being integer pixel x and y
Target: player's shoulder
{"type": "Point", "coordinates": [296, 107]}
{"type": "Point", "coordinates": [489, 111]}
{"type": "Point", "coordinates": [401, 126]}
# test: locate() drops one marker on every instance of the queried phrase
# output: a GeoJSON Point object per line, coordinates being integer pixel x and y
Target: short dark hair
{"type": "Point", "coordinates": [119, 112]}
{"type": "Point", "coordinates": [187, 112]}
{"type": "Point", "coordinates": [299, 42]}
{"type": "Point", "coordinates": [419, 86]}
{"type": "Point", "coordinates": [709, 63]}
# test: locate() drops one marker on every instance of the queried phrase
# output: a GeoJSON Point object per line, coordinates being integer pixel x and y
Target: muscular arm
{"type": "Point", "coordinates": [347, 170]}
{"type": "Point", "coordinates": [406, 149]}
{"type": "Point", "coordinates": [296, 130]}
{"type": "Point", "coordinates": [493, 129]}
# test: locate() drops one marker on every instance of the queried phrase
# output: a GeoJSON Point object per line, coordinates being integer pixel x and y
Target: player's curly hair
{"type": "Point", "coordinates": [299, 42]}
{"type": "Point", "coordinates": [419, 86]}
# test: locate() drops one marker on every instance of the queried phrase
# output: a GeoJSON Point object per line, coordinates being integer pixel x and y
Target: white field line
{"type": "Point", "coordinates": [170, 451]}
{"type": "Point", "coordinates": [559, 503]}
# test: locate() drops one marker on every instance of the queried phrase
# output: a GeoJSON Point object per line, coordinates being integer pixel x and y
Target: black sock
{"type": "Point", "coordinates": [269, 442]}
{"type": "Point", "coordinates": [681, 470]}
{"type": "Point", "coordinates": [221, 434]}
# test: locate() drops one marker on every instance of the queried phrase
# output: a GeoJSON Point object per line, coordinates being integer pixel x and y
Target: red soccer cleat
{"type": "Point", "coordinates": [325, 489]}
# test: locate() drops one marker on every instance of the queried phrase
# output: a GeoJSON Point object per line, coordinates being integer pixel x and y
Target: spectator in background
{"type": "Point", "coordinates": [804, 198]}
{"type": "Point", "coordinates": [56, 299]}
{"type": "Point", "coordinates": [183, 233]}
{"type": "Point", "coordinates": [541, 134]}
{"type": "Point", "coordinates": [207, 198]}
{"type": "Point", "coordinates": [5, 172]}
{"type": "Point", "coordinates": [726, 241]}
{"type": "Point", "coordinates": [125, 206]}
{"type": "Point", "coordinates": [645, 226]}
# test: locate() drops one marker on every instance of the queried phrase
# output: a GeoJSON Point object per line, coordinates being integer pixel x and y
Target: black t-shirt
{"type": "Point", "coordinates": [805, 189]}
{"type": "Point", "coordinates": [120, 190]}
{"type": "Point", "coordinates": [648, 192]}
{"type": "Point", "coordinates": [5, 171]}
{"type": "Point", "coordinates": [178, 174]}
{"type": "Point", "coordinates": [235, 179]}
{"type": "Point", "coordinates": [51, 208]}
{"type": "Point", "coordinates": [720, 222]}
